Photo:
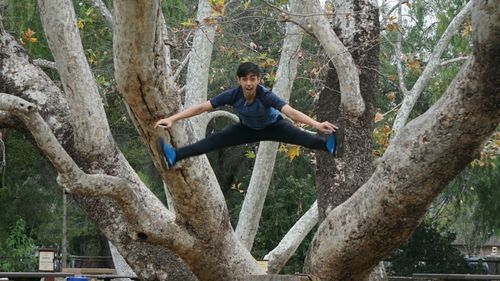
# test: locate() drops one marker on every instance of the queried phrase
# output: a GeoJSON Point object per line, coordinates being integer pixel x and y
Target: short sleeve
{"type": "Point", "coordinates": [271, 99]}
{"type": "Point", "coordinates": [224, 98]}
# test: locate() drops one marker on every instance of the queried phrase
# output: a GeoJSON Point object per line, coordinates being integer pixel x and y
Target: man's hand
{"type": "Point", "coordinates": [164, 123]}
{"type": "Point", "coordinates": [326, 127]}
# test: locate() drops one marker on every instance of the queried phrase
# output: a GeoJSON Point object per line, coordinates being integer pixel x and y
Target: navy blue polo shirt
{"type": "Point", "coordinates": [262, 112]}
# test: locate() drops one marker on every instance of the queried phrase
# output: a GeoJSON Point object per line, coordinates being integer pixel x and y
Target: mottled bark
{"type": "Point", "coordinates": [197, 198]}
{"type": "Point", "coordinates": [198, 69]}
{"type": "Point", "coordinates": [339, 177]}
{"type": "Point", "coordinates": [312, 18]}
{"type": "Point", "coordinates": [420, 161]}
{"type": "Point", "coordinates": [21, 79]}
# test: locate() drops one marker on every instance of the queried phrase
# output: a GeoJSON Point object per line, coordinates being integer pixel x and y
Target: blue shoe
{"type": "Point", "coordinates": [168, 153]}
{"type": "Point", "coordinates": [331, 144]}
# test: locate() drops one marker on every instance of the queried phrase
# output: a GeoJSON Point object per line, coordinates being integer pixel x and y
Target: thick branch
{"type": "Point", "coordinates": [75, 181]}
{"type": "Point", "coordinates": [222, 113]}
{"type": "Point", "coordinates": [199, 202]}
{"type": "Point", "coordinates": [45, 63]}
{"type": "Point", "coordinates": [199, 65]}
{"type": "Point", "coordinates": [339, 55]}
{"type": "Point", "coordinates": [432, 64]}
{"type": "Point", "coordinates": [59, 22]}
{"type": "Point", "coordinates": [288, 245]}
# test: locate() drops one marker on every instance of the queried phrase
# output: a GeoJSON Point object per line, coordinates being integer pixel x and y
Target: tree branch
{"type": "Point", "coordinates": [417, 165]}
{"type": "Point", "coordinates": [399, 55]}
{"type": "Point", "coordinates": [179, 68]}
{"type": "Point", "coordinates": [63, 37]}
{"type": "Point", "coordinates": [341, 58]}
{"type": "Point", "coordinates": [101, 7]}
{"type": "Point", "coordinates": [432, 64]}
{"type": "Point", "coordinates": [454, 60]}
{"type": "Point", "coordinates": [75, 181]}
{"type": "Point", "coordinates": [222, 113]}
{"type": "Point", "coordinates": [279, 256]}
{"type": "Point", "coordinates": [45, 63]}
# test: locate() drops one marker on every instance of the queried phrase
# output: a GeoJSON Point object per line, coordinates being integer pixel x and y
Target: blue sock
{"type": "Point", "coordinates": [168, 153]}
{"type": "Point", "coordinates": [331, 144]}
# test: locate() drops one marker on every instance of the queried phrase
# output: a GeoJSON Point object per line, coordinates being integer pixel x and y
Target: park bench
{"type": "Point", "coordinates": [450, 277]}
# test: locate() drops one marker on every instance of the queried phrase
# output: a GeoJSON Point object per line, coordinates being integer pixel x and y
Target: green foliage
{"type": "Point", "coordinates": [469, 205]}
{"type": "Point", "coordinates": [291, 193]}
{"type": "Point", "coordinates": [421, 29]}
{"type": "Point", "coordinates": [17, 250]}
{"type": "Point", "coordinates": [427, 250]}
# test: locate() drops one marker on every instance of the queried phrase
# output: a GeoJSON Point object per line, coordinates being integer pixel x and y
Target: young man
{"type": "Point", "coordinates": [258, 110]}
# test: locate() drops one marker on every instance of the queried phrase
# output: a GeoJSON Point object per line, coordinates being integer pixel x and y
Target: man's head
{"type": "Point", "coordinates": [248, 68]}
{"type": "Point", "coordinates": [248, 77]}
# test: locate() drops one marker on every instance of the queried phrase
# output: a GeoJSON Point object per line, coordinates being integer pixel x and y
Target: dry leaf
{"type": "Point", "coordinates": [293, 152]}
{"type": "Point", "coordinates": [391, 96]}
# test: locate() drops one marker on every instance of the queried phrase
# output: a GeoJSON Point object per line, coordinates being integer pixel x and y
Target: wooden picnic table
{"type": "Point", "coordinates": [36, 276]}
{"type": "Point", "coordinates": [438, 276]}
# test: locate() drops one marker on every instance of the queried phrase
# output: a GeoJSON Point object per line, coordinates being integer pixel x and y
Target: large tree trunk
{"type": "Point", "coordinates": [338, 178]}
{"type": "Point", "coordinates": [216, 254]}
{"type": "Point", "coordinates": [417, 165]}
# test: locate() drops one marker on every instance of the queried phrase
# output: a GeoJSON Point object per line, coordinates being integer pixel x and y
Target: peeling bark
{"type": "Point", "coordinates": [417, 165]}
{"type": "Point", "coordinates": [198, 200]}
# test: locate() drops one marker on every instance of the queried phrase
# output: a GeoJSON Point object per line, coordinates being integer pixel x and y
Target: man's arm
{"type": "Point", "coordinates": [190, 112]}
{"type": "Point", "coordinates": [297, 116]}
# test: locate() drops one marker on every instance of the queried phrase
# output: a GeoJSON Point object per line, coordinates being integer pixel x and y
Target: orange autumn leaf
{"type": "Point", "coordinates": [28, 37]}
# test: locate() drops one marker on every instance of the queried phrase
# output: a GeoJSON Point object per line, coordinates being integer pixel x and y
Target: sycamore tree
{"type": "Point", "coordinates": [193, 238]}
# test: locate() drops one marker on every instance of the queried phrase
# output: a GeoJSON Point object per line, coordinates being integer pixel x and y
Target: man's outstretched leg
{"type": "Point", "coordinates": [284, 131]}
{"type": "Point", "coordinates": [230, 136]}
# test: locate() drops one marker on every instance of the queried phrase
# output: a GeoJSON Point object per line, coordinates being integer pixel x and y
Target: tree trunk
{"type": "Point", "coordinates": [20, 78]}
{"type": "Point", "coordinates": [199, 66]}
{"type": "Point", "coordinates": [417, 165]}
{"type": "Point", "coordinates": [339, 177]}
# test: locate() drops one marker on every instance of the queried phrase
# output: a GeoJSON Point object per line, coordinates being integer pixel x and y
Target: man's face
{"type": "Point", "coordinates": [249, 84]}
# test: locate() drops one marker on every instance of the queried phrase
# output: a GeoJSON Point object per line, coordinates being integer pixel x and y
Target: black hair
{"type": "Point", "coordinates": [248, 68]}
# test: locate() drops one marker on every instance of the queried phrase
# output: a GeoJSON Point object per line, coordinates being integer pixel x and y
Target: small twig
{"type": "Point", "coordinates": [180, 67]}
{"type": "Point", "coordinates": [45, 63]}
{"type": "Point", "coordinates": [450, 61]}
